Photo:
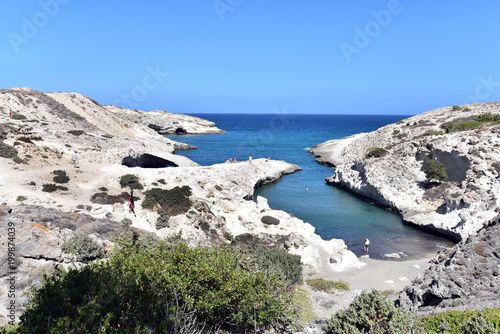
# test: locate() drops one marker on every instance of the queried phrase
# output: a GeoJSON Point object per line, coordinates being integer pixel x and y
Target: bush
{"type": "Point", "coordinates": [463, 126]}
{"type": "Point", "coordinates": [21, 198]}
{"type": "Point", "coordinates": [76, 132]}
{"type": "Point", "coordinates": [84, 248]}
{"type": "Point", "coordinates": [469, 321]}
{"type": "Point", "coordinates": [161, 287]}
{"type": "Point", "coordinates": [174, 201]}
{"type": "Point", "coordinates": [283, 262]}
{"type": "Point", "coordinates": [435, 170]}
{"type": "Point", "coordinates": [377, 153]}
{"type": "Point", "coordinates": [50, 187]}
{"type": "Point", "coordinates": [370, 313]}
{"type": "Point", "coordinates": [7, 151]}
{"type": "Point", "coordinates": [320, 284]}
{"type": "Point", "coordinates": [61, 176]}
{"type": "Point", "coordinates": [131, 181]}
{"type": "Point", "coordinates": [162, 220]}
{"type": "Point", "coordinates": [18, 116]}
{"type": "Point", "coordinates": [455, 108]}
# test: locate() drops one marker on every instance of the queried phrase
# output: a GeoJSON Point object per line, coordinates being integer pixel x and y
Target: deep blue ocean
{"type": "Point", "coordinates": [334, 212]}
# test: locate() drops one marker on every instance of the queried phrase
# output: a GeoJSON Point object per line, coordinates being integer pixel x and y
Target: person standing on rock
{"type": "Point", "coordinates": [367, 245]}
{"type": "Point", "coordinates": [131, 205]}
{"type": "Point", "coordinates": [250, 159]}
{"type": "Point", "coordinates": [75, 159]}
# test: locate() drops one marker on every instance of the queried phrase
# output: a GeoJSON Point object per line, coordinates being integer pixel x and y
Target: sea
{"type": "Point", "coordinates": [335, 213]}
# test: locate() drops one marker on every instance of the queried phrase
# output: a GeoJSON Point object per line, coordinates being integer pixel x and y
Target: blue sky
{"type": "Point", "coordinates": [254, 56]}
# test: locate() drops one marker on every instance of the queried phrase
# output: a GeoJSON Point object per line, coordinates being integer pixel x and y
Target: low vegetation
{"type": "Point", "coordinates": [327, 286]}
{"type": "Point", "coordinates": [83, 248]}
{"type": "Point", "coordinates": [370, 312]}
{"type": "Point", "coordinates": [9, 152]}
{"type": "Point", "coordinates": [376, 153]}
{"type": "Point", "coordinates": [61, 176]}
{"type": "Point", "coordinates": [105, 198]}
{"type": "Point", "coordinates": [51, 187]}
{"type": "Point", "coordinates": [131, 181]}
{"type": "Point", "coordinates": [161, 287]}
{"type": "Point", "coordinates": [76, 132]}
{"type": "Point", "coordinates": [435, 170]}
{"type": "Point", "coordinates": [174, 201]}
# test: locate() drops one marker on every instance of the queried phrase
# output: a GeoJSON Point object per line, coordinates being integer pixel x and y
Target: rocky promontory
{"type": "Point", "coordinates": [387, 166]}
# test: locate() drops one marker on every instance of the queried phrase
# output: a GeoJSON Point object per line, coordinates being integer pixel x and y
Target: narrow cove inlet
{"type": "Point", "coordinates": [335, 213]}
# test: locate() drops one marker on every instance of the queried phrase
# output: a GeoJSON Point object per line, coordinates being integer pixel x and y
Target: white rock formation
{"type": "Point", "coordinates": [112, 142]}
{"type": "Point", "coordinates": [467, 199]}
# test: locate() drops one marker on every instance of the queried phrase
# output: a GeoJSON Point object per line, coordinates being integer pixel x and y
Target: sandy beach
{"type": "Point", "coordinates": [388, 276]}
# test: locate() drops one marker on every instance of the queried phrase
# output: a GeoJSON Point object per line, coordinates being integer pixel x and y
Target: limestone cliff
{"type": "Point", "coordinates": [464, 139]}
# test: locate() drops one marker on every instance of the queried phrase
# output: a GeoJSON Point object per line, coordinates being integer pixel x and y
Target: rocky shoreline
{"type": "Point", "coordinates": [456, 207]}
{"type": "Point", "coordinates": [388, 167]}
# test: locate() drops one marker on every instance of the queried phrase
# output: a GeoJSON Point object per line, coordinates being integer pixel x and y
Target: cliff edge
{"type": "Point", "coordinates": [387, 166]}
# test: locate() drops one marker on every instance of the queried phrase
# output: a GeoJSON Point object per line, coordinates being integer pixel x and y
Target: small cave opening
{"type": "Point", "coordinates": [180, 131]}
{"type": "Point", "coordinates": [147, 161]}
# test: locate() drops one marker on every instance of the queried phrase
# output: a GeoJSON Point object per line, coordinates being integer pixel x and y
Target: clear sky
{"type": "Point", "coordinates": [256, 56]}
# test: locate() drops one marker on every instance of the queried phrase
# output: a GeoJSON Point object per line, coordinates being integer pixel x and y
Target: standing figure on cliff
{"type": "Point", "coordinates": [75, 159]}
{"type": "Point", "coordinates": [250, 159]}
{"type": "Point", "coordinates": [367, 245]}
{"type": "Point", "coordinates": [131, 204]}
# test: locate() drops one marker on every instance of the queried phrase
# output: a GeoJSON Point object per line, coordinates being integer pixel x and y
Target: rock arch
{"type": "Point", "coordinates": [147, 161]}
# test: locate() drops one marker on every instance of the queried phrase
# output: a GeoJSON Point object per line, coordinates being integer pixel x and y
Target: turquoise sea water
{"type": "Point", "coordinates": [334, 212]}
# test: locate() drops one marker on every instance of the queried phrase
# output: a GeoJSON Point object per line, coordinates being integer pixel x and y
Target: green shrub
{"type": "Point", "coordinates": [7, 151]}
{"type": "Point", "coordinates": [161, 287]}
{"type": "Point", "coordinates": [75, 115]}
{"type": "Point", "coordinates": [61, 176]}
{"type": "Point", "coordinates": [463, 126]}
{"type": "Point", "coordinates": [80, 206]}
{"type": "Point", "coordinates": [105, 198]}
{"type": "Point", "coordinates": [283, 262]}
{"type": "Point", "coordinates": [457, 322]}
{"type": "Point", "coordinates": [126, 222]}
{"type": "Point", "coordinates": [131, 181]}
{"type": "Point", "coordinates": [84, 248]}
{"type": "Point", "coordinates": [18, 116]}
{"type": "Point", "coordinates": [435, 170]}
{"type": "Point", "coordinates": [21, 198]}
{"type": "Point", "coordinates": [76, 132]}
{"type": "Point", "coordinates": [162, 181]}
{"type": "Point", "coordinates": [18, 160]}
{"type": "Point", "coordinates": [377, 153]}
{"type": "Point", "coordinates": [455, 108]}
{"type": "Point", "coordinates": [320, 284]}
{"type": "Point", "coordinates": [174, 201]}
{"type": "Point", "coordinates": [50, 187]}
{"type": "Point", "coordinates": [370, 313]}
{"type": "Point", "coordinates": [395, 132]}
{"type": "Point", "coordinates": [162, 220]}
{"type": "Point", "coordinates": [218, 188]}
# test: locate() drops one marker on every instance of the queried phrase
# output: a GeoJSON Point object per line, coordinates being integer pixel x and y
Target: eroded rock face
{"type": "Point", "coordinates": [458, 206]}
{"type": "Point", "coordinates": [466, 277]}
